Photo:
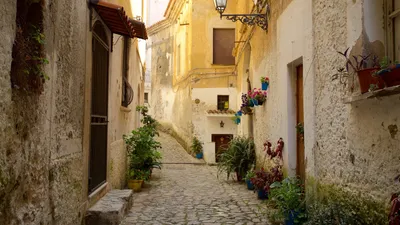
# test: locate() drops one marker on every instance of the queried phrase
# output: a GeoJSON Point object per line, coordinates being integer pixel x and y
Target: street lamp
{"type": "Point", "coordinates": [259, 19]}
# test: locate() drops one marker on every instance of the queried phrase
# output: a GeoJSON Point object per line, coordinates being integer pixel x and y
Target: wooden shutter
{"type": "Point", "coordinates": [223, 44]}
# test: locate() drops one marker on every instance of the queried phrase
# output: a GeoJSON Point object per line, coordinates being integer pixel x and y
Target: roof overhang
{"type": "Point", "coordinates": [140, 29]}
{"type": "Point", "coordinates": [114, 16]}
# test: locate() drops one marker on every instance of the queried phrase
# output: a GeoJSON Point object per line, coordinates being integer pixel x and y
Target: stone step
{"type": "Point", "coordinates": [111, 209]}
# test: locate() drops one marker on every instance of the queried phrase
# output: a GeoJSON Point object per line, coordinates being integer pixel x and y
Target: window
{"type": "Point", "coordinates": [223, 44]}
{"type": "Point", "coordinates": [393, 29]}
{"type": "Point", "coordinates": [223, 102]}
{"type": "Point", "coordinates": [146, 97]}
{"type": "Point", "coordinates": [127, 92]}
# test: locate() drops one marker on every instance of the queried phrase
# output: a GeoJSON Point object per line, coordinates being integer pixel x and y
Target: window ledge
{"type": "Point", "coordinates": [125, 109]}
{"type": "Point", "coordinates": [374, 94]}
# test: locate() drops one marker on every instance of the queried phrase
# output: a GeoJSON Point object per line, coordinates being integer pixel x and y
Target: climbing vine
{"type": "Point", "coordinates": [27, 69]}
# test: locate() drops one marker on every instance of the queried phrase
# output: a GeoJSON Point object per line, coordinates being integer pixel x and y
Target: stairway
{"type": "Point", "coordinates": [111, 209]}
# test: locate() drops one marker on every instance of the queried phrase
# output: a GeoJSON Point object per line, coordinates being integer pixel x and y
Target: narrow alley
{"type": "Point", "coordinates": [188, 193]}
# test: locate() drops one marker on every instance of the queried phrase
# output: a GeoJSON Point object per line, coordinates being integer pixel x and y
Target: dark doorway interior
{"type": "Point", "coordinates": [99, 112]}
{"type": "Point", "coordinates": [221, 142]}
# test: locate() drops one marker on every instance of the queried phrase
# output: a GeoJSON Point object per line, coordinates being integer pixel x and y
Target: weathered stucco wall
{"type": "Point", "coordinates": [356, 145]}
{"type": "Point", "coordinates": [41, 139]}
{"type": "Point", "coordinates": [44, 138]}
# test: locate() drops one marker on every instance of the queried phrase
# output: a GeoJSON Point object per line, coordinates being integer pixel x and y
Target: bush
{"type": "Point", "coordinates": [333, 206]}
{"type": "Point", "coordinates": [239, 156]}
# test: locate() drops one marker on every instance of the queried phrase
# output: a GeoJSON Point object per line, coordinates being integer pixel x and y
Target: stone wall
{"type": "Point", "coordinates": [41, 140]}
{"type": "Point", "coordinates": [357, 144]}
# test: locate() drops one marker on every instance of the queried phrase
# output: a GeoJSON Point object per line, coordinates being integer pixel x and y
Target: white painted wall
{"type": "Point", "coordinates": [204, 124]}
{"type": "Point", "coordinates": [295, 47]}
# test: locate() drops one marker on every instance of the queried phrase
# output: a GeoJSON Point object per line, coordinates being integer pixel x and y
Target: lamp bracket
{"type": "Point", "coordinates": [260, 20]}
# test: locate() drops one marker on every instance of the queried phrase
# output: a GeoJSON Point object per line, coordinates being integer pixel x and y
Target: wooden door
{"type": "Point", "coordinates": [99, 112]}
{"type": "Point", "coordinates": [221, 142]}
{"type": "Point", "coordinates": [301, 172]}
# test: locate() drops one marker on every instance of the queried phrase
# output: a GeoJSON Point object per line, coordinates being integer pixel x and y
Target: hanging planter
{"type": "Point", "coordinates": [239, 113]}
{"type": "Point", "coordinates": [257, 97]}
{"type": "Point", "coordinates": [264, 83]}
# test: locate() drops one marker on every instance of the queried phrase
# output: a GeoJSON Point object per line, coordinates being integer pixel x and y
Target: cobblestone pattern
{"type": "Point", "coordinates": [192, 194]}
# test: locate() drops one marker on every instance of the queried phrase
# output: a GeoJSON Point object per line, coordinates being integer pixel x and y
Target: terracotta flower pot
{"type": "Point", "coordinates": [365, 79]}
{"type": "Point", "coordinates": [391, 78]}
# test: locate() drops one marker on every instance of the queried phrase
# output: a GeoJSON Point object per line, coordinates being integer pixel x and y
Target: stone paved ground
{"type": "Point", "coordinates": [192, 194]}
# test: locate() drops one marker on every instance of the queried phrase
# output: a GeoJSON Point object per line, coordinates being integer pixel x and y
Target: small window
{"type": "Point", "coordinates": [393, 29]}
{"type": "Point", "coordinates": [223, 102]}
{"type": "Point", "coordinates": [146, 97]}
{"type": "Point", "coordinates": [223, 44]}
{"type": "Point", "coordinates": [127, 92]}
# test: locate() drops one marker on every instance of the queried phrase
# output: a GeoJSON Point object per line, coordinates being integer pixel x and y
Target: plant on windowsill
{"type": "Point", "coordinates": [364, 66]}
{"type": "Point", "coordinates": [197, 148]}
{"type": "Point", "coordinates": [288, 196]}
{"type": "Point", "coordinates": [389, 72]}
{"type": "Point", "coordinates": [257, 96]}
{"type": "Point", "coordinates": [264, 83]}
{"type": "Point", "coordinates": [238, 156]}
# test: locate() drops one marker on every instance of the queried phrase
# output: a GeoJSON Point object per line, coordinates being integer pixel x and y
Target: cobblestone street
{"type": "Point", "coordinates": [192, 194]}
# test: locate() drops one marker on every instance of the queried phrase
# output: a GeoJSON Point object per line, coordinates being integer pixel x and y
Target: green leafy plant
{"type": "Point", "coordinates": [197, 146]}
{"type": "Point", "coordinates": [288, 196]}
{"type": "Point", "coordinates": [136, 174]}
{"type": "Point", "coordinates": [332, 205]}
{"type": "Point", "coordinates": [147, 120]}
{"type": "Point", "coordinates": [250, 174]}
{"type": "Point", "coordinates": [238, 156]}
{"type": "Point", "coordinates": [264, 80]}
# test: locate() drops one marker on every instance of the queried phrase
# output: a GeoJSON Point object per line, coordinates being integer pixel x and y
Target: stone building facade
{"type": "Point", "coordinates": [45, 135]}
{"type": "Point", "coordinates": [353, 145]}
{"type": "Point", "coordinates": [187, 82]}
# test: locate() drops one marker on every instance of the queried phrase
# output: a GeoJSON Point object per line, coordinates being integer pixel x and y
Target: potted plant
{"type": "Point", "coordinates": [197, 148]}
{"type": "Point", "coordinates": [264, 83]}
{"type": "Point", "coordinates": [288, 196]}
{"type": "Point", "coordinates": [236, 119]}
{"type": "Point", "coordinates": [261, 183]}
{"type": "Point", "coordinates": [239, 113]}
{"type": "Point", "coordinates": [245, 107]}
{"type": "Point", "coordinates": [136, 179]}
{"type": "Point", "coordinates": [238, 157]}
{"type": "Point", "coordinates": [257, 96]}
{"type": "Point", "coordinates": [389, 72]}
{"type": "Point", "coordinates": [249, 175]}
{"type": "Point", "coordinates": [359, 64]}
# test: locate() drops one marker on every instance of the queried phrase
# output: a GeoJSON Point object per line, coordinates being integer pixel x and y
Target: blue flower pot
{"type": "Point", "coordinates": [291, 218]}
{"type": "Point", "coordinates": [255, 101]}
{"type": "Point", "coordinates": [237, 121]}
{"type": "Point", "coordinates": [264, 86]}
{"type": "Point", "coordinates": [239, 113]}
{"type": "Point", "coordinates": [262, 194]}
{"type": "Point", "coordinates": [250, 186]}
{"type": "Point", "coordinates": [199, 155]}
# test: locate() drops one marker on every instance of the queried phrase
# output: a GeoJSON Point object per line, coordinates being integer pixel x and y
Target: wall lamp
{"type": "Point", "coordinates": [222, 124]}
{"type": "Point", "coordinates": [259, 19]}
